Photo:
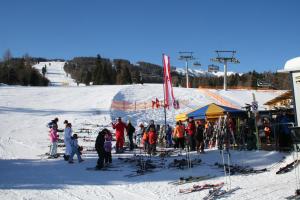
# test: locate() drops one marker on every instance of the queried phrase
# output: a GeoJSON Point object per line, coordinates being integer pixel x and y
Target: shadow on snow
{"type": "Point", "coordinates": [53, 174]}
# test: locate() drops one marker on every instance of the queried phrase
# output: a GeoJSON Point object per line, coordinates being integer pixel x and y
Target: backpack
{"type": "Point", "coordinates": [50, 124]}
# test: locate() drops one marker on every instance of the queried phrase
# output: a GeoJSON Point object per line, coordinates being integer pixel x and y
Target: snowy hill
{"type": "Point", "coordinates": [26, 174]}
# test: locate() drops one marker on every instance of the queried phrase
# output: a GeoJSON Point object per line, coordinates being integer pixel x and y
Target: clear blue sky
{"type": "Point", "coordinates": [265, 33]}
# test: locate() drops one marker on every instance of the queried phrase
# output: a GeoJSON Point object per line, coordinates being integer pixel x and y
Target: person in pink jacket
{"type": "Point", "coordinates": [53, 139]}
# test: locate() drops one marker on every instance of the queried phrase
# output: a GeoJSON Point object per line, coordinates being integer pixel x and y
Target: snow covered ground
{"type": "Point", "coordinates": [26, 174]}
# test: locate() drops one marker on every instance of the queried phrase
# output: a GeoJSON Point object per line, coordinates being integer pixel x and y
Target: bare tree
{"type": "Point", "coordinates": [7, 55]}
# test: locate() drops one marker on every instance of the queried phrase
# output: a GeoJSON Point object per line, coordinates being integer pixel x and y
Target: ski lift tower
{"type": "Point", "coordinates": [186, 56]}
{"type": "Point", "coordinates": [225, 60]}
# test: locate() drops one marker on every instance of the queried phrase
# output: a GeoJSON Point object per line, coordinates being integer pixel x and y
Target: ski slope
{"type": "Point", "coordinates": [26, 174]}
{"type": "Point", "coordinates": [56, 74]}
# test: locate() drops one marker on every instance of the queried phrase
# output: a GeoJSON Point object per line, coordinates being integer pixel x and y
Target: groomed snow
{"type": "Point", "coordinates": [25, 174]}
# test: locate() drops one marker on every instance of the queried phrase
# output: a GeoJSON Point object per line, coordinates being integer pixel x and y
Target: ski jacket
{"type": "Point", "coordinates": [99, 144]}
{"type": "Point", "coordinates": [145, 136]}
{"type": "Point", "coordinates": [199, 133]}
{"type": "Point", "coordinates": [152, 137]}
{"type": "Point", "coordinates": [151, 127]}
{"type": "Point", "coordinates": [74, 143]}
{"type": "Point", "coordinates": [178, 132]}
{"type": "Point", "coordinates": [119, 126]}
{"type": "Point", "coordinates": [108, 142]}
{"type": "Point", "coordinates": [67, 134]}
{"type": "Point", "coordinates": [53, 135]}
{"type": "Point", "coordinates": [130, 129]}
{"type": "Point", "coordinates": [191, 128]}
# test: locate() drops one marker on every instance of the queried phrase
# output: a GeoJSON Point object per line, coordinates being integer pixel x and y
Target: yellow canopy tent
{"type": "Point", "coordinates": [181, 117]}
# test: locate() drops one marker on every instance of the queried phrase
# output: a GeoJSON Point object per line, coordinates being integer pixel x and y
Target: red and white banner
{"type": "Point", "coordinates": [169, 95]}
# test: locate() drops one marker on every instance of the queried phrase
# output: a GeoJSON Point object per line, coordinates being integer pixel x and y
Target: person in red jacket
{"type": "Point", "coordinates": [120, 127]}
{"type": "Point", "coordinates": [152, 141]}
{"type": "Point", "coordinates": [191, 130]}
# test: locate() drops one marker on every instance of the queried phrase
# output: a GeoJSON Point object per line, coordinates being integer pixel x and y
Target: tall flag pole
{"type": "Point", "coordinates": [164, 91]}
{"type": "Point", "coordinates": [168, 89]}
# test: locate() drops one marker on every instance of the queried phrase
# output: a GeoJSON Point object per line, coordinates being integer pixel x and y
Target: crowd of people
{"type": "Point", "coordinates": [222, 133]}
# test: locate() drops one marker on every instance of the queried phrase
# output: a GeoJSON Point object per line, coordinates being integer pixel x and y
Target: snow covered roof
{"type": "Point", "coordinates": [292, 65]}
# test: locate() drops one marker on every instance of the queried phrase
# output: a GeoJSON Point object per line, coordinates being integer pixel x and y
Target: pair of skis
{"type": "Point", "coordinates": [197, 188]}
{"type": "Point", "coordinates": [289, 167]}
{"type": "Point", "coordinates": [217, 192]}
{"type": "Point", "coordinates": [190, 179]}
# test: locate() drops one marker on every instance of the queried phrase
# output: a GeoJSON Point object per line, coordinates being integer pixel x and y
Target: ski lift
{"type": "Point", "coordinates": [197, 64]}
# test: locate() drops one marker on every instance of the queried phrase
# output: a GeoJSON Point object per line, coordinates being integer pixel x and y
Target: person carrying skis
{"type": "Point", "coordinates": [191, 129]}
{"type": "Point", "coordinates": [53, 139]}
{"type": "Point", "coordinates": [75, 149]}
{"type": "Point", "coordinates": [120, 127]}
{"type": "Point", "coordinates": [67, 139]}
{"type": "Point", "coordinates": [99, 146]}
{"type": "Point", "coordinates": [130, 130]}
{"type": "Point", "coordinates": [107, 146]}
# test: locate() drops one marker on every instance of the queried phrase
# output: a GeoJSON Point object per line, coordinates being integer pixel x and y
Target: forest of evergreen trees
{"type": "Point", "coordinates": [100, 71]}
{"type": "Point", "coordinates": [19, 71]}
{"type": "Point", "coordinates": [103, 71]}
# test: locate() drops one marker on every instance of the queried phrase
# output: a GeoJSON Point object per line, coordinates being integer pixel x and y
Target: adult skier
{"type": "Point", "coordinates": [191, 129]}
{"type": "Point", "coordinates": [120, 126]}
{"type": "Point", "coordinates": [199, 137]}
{"type": "Point", "coordinates": [130, 130]}
{"type": "Point", "coordinates": [99, 145]}
{"type": "Point", "coordinates": [67, 140]}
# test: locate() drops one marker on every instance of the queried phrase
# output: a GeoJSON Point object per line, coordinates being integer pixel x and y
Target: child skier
{"type": "Point", "coordinates": [53, 139]}
{"type": "Point", "coordinates": [107, 146]}
{"type": "Point", "coordinates": [75, 149]}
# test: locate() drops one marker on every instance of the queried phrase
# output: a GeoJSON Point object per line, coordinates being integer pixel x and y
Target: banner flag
{"type": "Point", "coordinates": [169, 95]}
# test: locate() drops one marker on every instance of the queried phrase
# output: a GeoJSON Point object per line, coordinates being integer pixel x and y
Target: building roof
{"type": "Point", "coordinates": [284, 96]}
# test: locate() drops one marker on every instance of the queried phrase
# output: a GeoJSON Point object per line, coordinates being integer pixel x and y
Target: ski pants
{"type": "Point", "coordinates": [75, 151]}
{"type": "Point", "coordinates": [68, 150]}
{"type": "Point", "coordinates": [192, 142]}
{"type": "Point", "coordinates": [180, 142]}
{"type": "Point", "coordinates": [131, 145]}
{"type": "Point", "coordinates": [53, 149]}
{"type": "Point", "coordinates": [107, 157]}
{"type": "Point", "coordinates": [120, 142]}
{"type": "Point", "coordinates": [100, 161]}
{"type": "Point", "coordinates": [169, 140]}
